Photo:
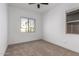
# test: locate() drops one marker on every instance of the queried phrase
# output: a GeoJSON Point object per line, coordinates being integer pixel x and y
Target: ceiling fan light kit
{"type": "Point", "coordinates": [38, 4]}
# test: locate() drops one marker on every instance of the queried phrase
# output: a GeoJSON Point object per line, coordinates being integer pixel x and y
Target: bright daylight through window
{"type": "Point", "coordinates": [27, 24]}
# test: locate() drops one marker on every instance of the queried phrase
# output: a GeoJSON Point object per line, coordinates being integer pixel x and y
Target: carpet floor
{"type": "Point", "coordinates": [38, 48]}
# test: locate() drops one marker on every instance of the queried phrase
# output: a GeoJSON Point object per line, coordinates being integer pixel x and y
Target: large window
{"type": "Point", "coordinates": [27, 24]}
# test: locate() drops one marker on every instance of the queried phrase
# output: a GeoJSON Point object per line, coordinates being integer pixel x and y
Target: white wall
{"type": "Point", "coordinates": [54, 27]}
{"type": "Point", "coordinates": [3, 28]}
{"type": "Point", "coordinates": [15, 36]}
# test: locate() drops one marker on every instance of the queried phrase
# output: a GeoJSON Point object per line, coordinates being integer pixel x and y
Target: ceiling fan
{"type": "Point", "coordinates": [38, 4]}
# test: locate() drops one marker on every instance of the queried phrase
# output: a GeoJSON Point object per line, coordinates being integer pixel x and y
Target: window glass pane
{"type": "Point", "coordinates": [24, 25]}
{"type": "Point", "coordinates": [22, 30]}
{"type": "Point", "coordinates": [27, 25]}
{"type": "Point", "coordinates": [31, 25]}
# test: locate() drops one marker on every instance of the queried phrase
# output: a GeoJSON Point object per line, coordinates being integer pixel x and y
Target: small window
{"type": "Point", "coordinates": [27, 24]}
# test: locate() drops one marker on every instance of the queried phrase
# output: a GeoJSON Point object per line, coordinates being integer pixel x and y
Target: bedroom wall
{"type": "Point", "coordinates": [55, 27]}
{"type": "Point", "coordinates": [3, 28]}
{"type": "Point", "coordinates": [15, 36]}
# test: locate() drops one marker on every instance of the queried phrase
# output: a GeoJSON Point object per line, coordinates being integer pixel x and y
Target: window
{"type": "Point", "coordinates": [27, 24]}
{"type": "Point", "coordinates": [72, 22]}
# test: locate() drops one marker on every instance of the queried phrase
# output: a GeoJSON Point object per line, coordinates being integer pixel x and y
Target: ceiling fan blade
{"type": "Point", "coordinates": [31, 3]}
{"type": "Point", "coordinates": [44, 3]}
{"type": "Point", "coordinates": [38, 5]}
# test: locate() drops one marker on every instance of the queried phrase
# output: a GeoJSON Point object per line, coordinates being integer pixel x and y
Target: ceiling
{"type": "Point", "coordinates": [43, 8]}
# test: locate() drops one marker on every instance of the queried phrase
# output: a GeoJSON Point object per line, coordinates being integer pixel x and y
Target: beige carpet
{"type": "Point", "coordinates": [38, 48]}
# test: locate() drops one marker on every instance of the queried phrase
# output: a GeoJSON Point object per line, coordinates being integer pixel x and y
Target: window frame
{"type": "Point", "coordinates": [28, 24]}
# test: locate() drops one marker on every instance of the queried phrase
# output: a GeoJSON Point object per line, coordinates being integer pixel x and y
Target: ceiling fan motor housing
{"type": "Point", "coordinates": [38, 4]}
